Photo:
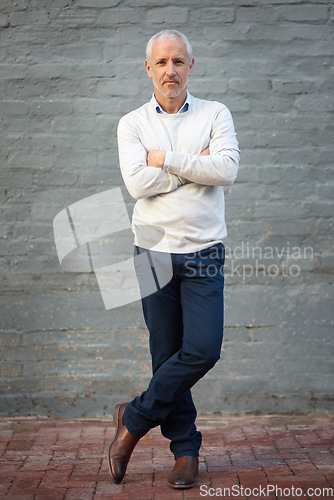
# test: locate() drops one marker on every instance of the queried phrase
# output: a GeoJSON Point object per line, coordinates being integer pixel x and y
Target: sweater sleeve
{"type": "Point", "coordinates": [141, 180]}
{"type": "Point", "coordinates": [220, 168]}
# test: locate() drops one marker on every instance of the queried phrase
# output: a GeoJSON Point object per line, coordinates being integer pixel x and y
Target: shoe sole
{"type": "Point", "coordinates": [116, 419]}
{"type": "Point", "coordinates": [181, 486]}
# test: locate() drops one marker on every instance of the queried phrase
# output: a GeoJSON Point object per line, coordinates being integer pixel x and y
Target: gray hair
{"type": "Point", "coordinates": [163, 35]}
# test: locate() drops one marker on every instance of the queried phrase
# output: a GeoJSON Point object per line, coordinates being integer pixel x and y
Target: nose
{"type": "Point", "coordinates": [170, 70]}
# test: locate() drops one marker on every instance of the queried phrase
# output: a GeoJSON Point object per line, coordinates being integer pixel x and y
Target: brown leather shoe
{"type": "Point", "coordinates": [121, 447]}
{"type": "Point", "coordinates": [184, 473]}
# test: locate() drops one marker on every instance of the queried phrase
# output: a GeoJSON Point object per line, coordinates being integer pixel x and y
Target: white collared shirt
{"type": "Point", "coordinates": [184, 108]}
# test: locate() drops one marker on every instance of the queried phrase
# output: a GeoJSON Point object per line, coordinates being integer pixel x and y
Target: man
{"type": "Point", "coordinates": [176, 154]}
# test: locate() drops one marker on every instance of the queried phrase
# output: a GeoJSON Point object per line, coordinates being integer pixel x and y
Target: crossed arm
{"type": "Point", "coordinates": [156, 158]}
{"type": "Point", "coordinates": [216, 165]}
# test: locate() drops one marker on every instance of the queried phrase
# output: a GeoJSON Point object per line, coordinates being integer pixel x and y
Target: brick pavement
{"type": "Point", "coordinates": [42, 459]}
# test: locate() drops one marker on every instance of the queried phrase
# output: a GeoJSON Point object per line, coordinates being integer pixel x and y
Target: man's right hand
{"type": "Point", "coordinates": [205, 152]}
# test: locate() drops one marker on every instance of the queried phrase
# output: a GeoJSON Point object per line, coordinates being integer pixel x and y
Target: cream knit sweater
{"type": "Point", "coordinates": [180, 209]}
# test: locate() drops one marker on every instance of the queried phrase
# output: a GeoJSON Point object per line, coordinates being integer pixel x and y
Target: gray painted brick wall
{"type": "Point", "coordinates": [69, 70]}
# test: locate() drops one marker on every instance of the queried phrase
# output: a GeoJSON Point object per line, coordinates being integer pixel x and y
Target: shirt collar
{"type": "Point", "coordinates": [184, 108]}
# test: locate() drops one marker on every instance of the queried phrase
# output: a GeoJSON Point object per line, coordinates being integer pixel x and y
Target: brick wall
{"type": "Point", "coordinates": [69, 70]}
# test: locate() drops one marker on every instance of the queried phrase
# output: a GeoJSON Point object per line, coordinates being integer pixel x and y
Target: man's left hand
{"type": "Point", "coordinates": [156, 158]}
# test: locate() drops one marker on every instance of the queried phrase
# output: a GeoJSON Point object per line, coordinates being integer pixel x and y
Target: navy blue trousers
{"type": "Point", "coordinates": [185, 323]}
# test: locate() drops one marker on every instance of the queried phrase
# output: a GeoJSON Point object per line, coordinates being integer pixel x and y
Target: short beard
{"type": "Point", "coordinates": [176, 93]}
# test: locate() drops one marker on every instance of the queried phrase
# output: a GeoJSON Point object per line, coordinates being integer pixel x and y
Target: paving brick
{"type": "Point", "coordinates": [288, 442]}
{"type": "Point", "coordinates": [19, 445]}
{"type": "Point", "coordinates": [84, 493]}
{"type": "Point", "coordinates": [303, 466]}
{"type": "Point", "coordinates": [307, 439]}
{"type": "Point", "coordinates": [38, 458]}
{"type": "Point", "coordinates": [48, 493]}
{"type": "Point", "coordinates": [4, 487]}
{"type": "Point", "coordinates": [27, 482]}
{"type": "Point", "coordinates": [167, 495]}
{"type": "Point", "coordinates": [275, 471]}
{"type": "Point", "coordinates": [56, 477]}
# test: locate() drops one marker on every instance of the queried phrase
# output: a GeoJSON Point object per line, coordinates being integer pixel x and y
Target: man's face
{"type": "Point", "coordinates": [169, 66]}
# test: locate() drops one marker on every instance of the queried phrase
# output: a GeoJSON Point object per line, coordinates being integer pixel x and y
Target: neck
{"type": "Point", "coordinates": [171, 104]}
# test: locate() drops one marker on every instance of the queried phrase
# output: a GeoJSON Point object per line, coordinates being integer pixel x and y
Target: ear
{"type": "Point", "coordinates": [191, 67]}
{"type": "Point", "coordinates": [148, 69]}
